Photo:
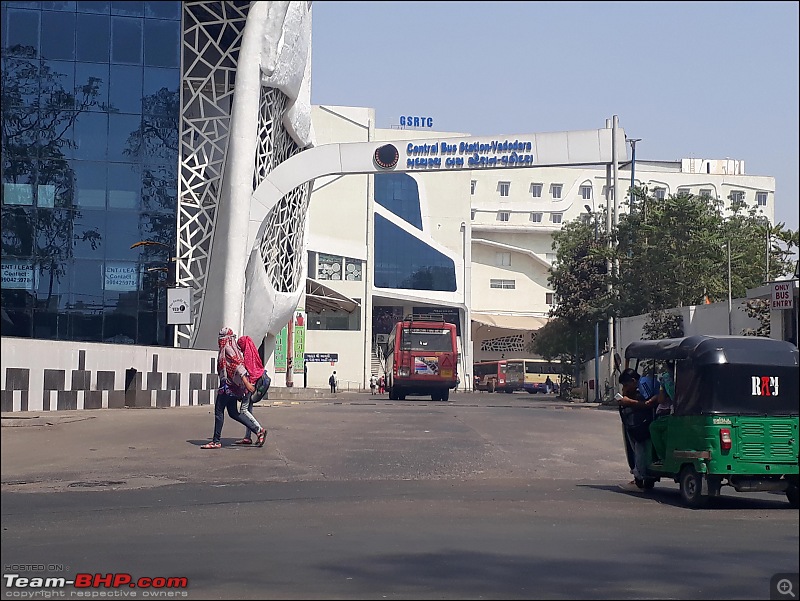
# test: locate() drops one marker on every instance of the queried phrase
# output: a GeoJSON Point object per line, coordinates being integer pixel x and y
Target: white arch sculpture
{"type": "Point", "coordinates": [248, 187]}
{"type": "Point", "coordinates": [548, 149]}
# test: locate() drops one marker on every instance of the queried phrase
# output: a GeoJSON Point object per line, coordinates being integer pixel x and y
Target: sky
{"type": "Point", "coordinates": [709, 80]}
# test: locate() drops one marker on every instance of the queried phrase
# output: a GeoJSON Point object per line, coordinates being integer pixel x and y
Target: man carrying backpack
{"type": "Point", "coordinates": [333, 381]}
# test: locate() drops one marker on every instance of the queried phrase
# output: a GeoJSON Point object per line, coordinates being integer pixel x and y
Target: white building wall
{"type": "Point", "coordinates": [348, 345]}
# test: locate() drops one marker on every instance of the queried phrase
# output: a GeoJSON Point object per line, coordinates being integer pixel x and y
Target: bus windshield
{"type": "Point", "coordinates": [426, 339]}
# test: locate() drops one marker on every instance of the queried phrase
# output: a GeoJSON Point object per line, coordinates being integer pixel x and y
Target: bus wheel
{"type": "Point", "coordinates": [691, 487]}
{"type": "Point", "coordinates": [392, 395]}
{"type": "Point", "coordinates": [435, 396]}
{"type": "Point", "coordinates": [445, 395]}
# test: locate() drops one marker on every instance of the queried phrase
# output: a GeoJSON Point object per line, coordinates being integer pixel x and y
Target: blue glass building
{"type": "Point", "coordinates": [90, 115]}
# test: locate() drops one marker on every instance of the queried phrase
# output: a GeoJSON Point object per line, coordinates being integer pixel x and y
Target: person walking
{"type": "Point", "coordinates": [233, 385]}
{"type": "Point", "coordinates": [381, 385]}
{"type": "Point", "coordinates": [258, 376]}
{"type": "Point", "coordinates": [333, 381]}
{"type": "Point", "coordinates": [373, 384]}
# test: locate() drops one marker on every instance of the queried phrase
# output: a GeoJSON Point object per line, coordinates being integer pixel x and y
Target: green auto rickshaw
{"type": "Point", "coordinates": [734, 415]}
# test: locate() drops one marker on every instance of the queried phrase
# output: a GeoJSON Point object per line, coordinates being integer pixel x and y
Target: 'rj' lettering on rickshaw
{"type": "Point", "coordinates": [764, 385]}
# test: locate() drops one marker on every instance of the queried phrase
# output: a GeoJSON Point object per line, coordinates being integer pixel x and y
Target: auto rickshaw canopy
{"type": "Point", "coordinates": [740, 375]}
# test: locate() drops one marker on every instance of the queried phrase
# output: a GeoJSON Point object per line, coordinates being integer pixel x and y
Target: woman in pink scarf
{"type": "Point", "coordinates": [259, 377]}
{"type": "Point", "coordinates": [233, 386]}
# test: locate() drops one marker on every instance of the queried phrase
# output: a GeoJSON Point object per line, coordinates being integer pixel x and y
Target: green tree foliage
{"type": "Point", "coordinates": [579, 275]}
{"type": "Point", "coordinates": [758, 308]}
{"type": "Point", "coordinates": [662, 324]}
{"type": "Point", "coordinates": [671, 253]}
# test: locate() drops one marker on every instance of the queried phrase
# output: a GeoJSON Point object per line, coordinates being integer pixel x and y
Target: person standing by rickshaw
{"type": "Point", "coordinates": [637, 415]}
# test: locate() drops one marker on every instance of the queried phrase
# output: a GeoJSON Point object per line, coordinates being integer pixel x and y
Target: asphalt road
{"type": "Point", "coordinates": [483, 497]}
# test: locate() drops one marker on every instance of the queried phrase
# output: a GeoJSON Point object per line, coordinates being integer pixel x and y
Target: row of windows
{"type": "Point", "coordinates": [62, 234]}
{"type": "Point", "coordinates": [736, 196]}
{"type": "Point", "coordinates": [535, 217]}
{"type": "Point", "coordinates": [556, 190]}
{"type": "Point", "coordinates": [335, 267]}
{"type": "Point", "coordinates": [85, 184]}
{"type": "Point", "coordinates": [92, 38]}
{"type": "Point", "coordinates": [49, 284]}
{"type": "Point", "coordinates": [48, 89]}
{"type": "Point", "coordinates": [585, 191]}
{"type": "Point", "coordinates": [144, 327]}
{"type": "Point", "coordinates": [152, 9]}
{"type": "Point", "coordinates": [503, 259]}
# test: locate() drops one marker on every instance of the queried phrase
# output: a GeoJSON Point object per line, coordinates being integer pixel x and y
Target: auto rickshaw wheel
{"type": "Point", "coordinates": [691, 487]}
{"type": "Point", "coordinates": [793, 495]}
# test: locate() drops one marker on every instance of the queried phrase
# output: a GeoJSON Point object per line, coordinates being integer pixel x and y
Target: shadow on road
{"type": "Point", "coordinates": [671, 496]}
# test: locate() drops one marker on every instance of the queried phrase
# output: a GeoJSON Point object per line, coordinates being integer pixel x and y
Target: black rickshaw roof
{"type": "Point", "coordinates": [717, 350]}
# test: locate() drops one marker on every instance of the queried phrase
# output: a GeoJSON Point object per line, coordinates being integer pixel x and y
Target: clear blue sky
{"type": "Point", "coordinates": [692, 79]}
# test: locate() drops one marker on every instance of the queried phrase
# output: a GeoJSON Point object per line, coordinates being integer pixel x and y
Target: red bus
{"type": "Point", "coordinates": [422, 358]}
{"type": "Point", "coordinates": [505, 375]}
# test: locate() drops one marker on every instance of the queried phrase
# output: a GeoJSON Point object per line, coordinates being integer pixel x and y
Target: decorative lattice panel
{"type": "Point", "coordinates": [281, 246]}
{"type": "Point", "coordinates": [211, 41]}
{"type": "Point", "coordinates": [212, 36]}
{"type": "Point", "coordinates": [504, 344]}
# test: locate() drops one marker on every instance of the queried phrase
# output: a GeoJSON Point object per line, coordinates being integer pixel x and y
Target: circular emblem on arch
{"type": "Point", "coordinates": [386, 156]}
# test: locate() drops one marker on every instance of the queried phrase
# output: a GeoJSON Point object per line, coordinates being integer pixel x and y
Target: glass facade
{"type": "Point", "coordinates": [403, 261]}
{"type": "Point", "coordinates": [399, 193]}
{"type": "Point", "coordinates": [90, 114]}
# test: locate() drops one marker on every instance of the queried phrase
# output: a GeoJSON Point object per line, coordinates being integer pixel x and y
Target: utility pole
{"type": "Point", "coordinates": [597, 397]}
{"type": "Point", "coordinates": [633, 167]}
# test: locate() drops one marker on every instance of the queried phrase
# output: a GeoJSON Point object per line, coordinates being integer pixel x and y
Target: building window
{"type": "Point", "coordinates": [660, 193]}
{"type": "Point", "coordinates": [502, 259]}
{"type": "Point", "coordinates": [586, 192]}
{"type": "Point", "coordinates": [404, 261]}
{"type": "Point", "coordinates": [329, 319]}
{"type": "Point", "coordinates": [555, 190]}
{"type": "Point", "coordinates": [472, 213]}
{"type": "Point", "coordinates": [536, 217]}
{"type": "Point", "coordinates": [550, 257]}
{"type": "Point", "coordinates": [399, 193]}
{"type": "Point", "coordinates": [503, 215]}
{"type": "Point", "coordinates": [536, 190]}
{"type": "Point", "coordinates": [548, 298]}
{"type": "Point", "coordinates": [556, 217]}
{"type": "Point", "coordinates": [503, 188]}
{"type": "Point", "coordinates": [761, 199]}
{"type": "Point", "coordinates": [472, 185]}
{"type": "Point", "coordinates": [503, 284]}
{"type": "Point", "coordinates": [705, 192]}
{"type": "Point", "coordinates": [684, 192]}
{"type": "Point", "coordinates": [329, 267]}
{"type": "Point", "coordinates": [352, 269]}
{"type": "Point", "coordinates": [737, 196]}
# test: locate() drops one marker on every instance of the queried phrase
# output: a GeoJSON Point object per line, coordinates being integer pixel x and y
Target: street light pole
{"type": "Point", "coordinates": [597, 397]}
{"type": "Point", "coordinates": [730, 301]}
{"type": "Point", "coordinates": [633, 166]}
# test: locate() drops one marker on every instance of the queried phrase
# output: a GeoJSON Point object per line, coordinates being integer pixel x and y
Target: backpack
{"type": "Point", "coordinates": [331, 380]}
{"type": "Point", "coordinates": [637, 422]}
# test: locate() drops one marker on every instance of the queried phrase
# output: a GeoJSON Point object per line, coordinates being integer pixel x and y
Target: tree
{"type": "Point", "coordinates": [580, 277]}
{"type": "Point", "coordinates": [671, 252]}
